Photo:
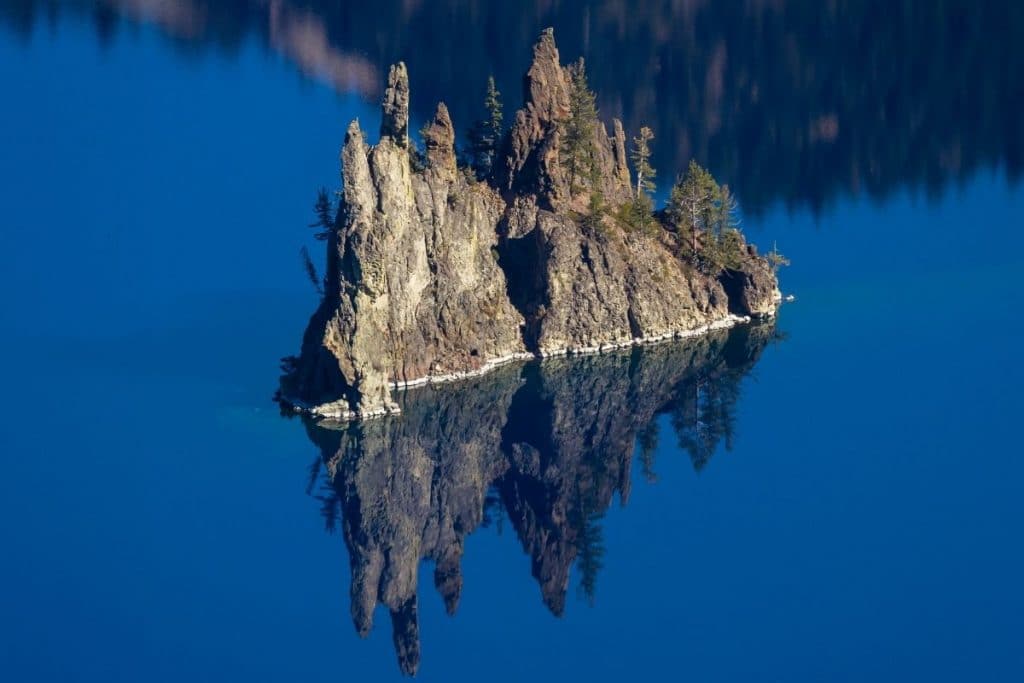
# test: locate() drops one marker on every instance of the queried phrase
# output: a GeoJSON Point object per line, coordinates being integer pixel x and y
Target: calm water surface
{"type": "Point", "coordinates": [835, 498]}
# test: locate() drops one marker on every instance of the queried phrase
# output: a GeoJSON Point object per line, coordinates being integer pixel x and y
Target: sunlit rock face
{"type": "Point", "coordinates": [434, 274]}
{"type": "Point", "coordinates": [544, 447]}
{"type": "Point", "coordinates": [414, 289]}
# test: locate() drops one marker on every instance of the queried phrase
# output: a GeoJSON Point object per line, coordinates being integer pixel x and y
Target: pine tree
{"type": "Point", "coordinates": [485, 134]}
{"type": "Point", "coordinates": [641, 157]}
{"type": "Point", "coordinates": [577, 139]}
{"type": "Point", "coordinates": [689, 209]}
{"type": "Point", "coordinates": [326, 214]}
{"type": "Point", "coordinates": [493, 103]}
{"type": "Point", "coordinates": [775, 258]}
{"type": "Point", "coordinates": [706, 220]}
{"type": "Point", "coordinates": [643, 203]}
{"type": "Point", "coordinates": [724, 246]}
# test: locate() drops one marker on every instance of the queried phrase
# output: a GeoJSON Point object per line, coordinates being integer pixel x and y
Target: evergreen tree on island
{"type": "Point", "coordinates": [643, 202]}
{"type": "Point", "coordinates": [577, 141]}
{"type": "Point", "coordinates": [485, 134]}
{"type": "Point", "coordinates": [775, 258]}
{"type": "Point", "coordinates": [705, 218]}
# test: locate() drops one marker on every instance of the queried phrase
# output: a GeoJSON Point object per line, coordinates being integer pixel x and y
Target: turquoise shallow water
{"type": "Point", "coordinates": [863, 524]}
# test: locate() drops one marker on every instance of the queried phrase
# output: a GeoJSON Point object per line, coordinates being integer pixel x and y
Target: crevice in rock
{"type": "Point", "coordinates": [523, 262]}
{"type": "Point", "coordinates": [634, 325]}
{"type": "Point", "coordinates": [734, 283]}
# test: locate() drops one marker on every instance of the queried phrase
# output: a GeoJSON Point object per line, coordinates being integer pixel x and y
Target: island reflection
{"type": "Point", "coordinates": [544, 445]}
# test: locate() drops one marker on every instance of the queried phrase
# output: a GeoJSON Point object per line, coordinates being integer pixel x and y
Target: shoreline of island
{"type": "Point", "coordinates": [333, 410]}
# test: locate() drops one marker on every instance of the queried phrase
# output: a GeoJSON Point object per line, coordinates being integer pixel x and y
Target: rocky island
{"type": "Point", "coordinates": [546, 243]}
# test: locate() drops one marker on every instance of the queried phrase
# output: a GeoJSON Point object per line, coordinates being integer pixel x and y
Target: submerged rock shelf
{"type": "Point", "coordinates": [437, 271]}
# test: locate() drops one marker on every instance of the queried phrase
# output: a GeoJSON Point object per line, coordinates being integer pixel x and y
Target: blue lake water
{"type": "Point", "coordinates": [156, 177]}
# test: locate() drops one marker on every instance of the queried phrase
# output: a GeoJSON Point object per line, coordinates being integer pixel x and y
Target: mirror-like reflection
{"type": "Point", "coordinates": [545, 446]}
{"type": "Point", "coordinates": [794, 102]}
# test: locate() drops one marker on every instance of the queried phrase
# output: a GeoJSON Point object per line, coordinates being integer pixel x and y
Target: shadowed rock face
{"type": "Point", "coordinates": [433, 274]}
{"type": "Point", "coordinates": [545, 445]}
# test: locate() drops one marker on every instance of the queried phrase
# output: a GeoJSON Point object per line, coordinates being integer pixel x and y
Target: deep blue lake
{"type": "Point", "coordinates": [840, 500]}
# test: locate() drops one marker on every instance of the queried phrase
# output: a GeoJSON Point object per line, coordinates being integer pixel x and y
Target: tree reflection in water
{"type": "Point", "coordinates": [545, 446]}
{"type": "Point", "coordinates": [790, 102]}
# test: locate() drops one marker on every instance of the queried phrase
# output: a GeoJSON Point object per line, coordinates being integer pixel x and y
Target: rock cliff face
{"type": "Point", "coordinates": [531, 167]}
{"type": "Point", "coordinates": [434, 275]}
{"type": "Point", "coordinates": [544, 447]}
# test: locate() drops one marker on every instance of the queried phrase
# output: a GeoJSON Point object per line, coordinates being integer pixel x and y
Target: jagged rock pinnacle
{"type": "Point", "coordinates": [395, 115]}
{"type": "Point", "coordinates": [619, 154]}
{"type": "Point", "coordinates": [545, 85]}
{"type": "Point", "coordinates": [357, 183]}
{"type": "Point", "coordinates": [533, 163]}
{"type": "Point", "coordinates": [439, 140]}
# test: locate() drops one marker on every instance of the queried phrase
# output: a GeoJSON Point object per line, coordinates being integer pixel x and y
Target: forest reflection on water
{"type": "Point", "coordinates": [543, 447]}
{"type": "Point", "coordinates": [789, 102]}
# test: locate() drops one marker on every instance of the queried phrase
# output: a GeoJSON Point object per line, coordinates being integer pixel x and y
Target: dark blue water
{"type": "Point", "coordinates": [863, 524]}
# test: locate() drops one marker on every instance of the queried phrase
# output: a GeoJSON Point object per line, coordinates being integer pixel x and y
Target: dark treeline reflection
{"type": "Point", "coordinates": [787, 101]}
{"type": "Point", "coordinates": [540, 448]}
